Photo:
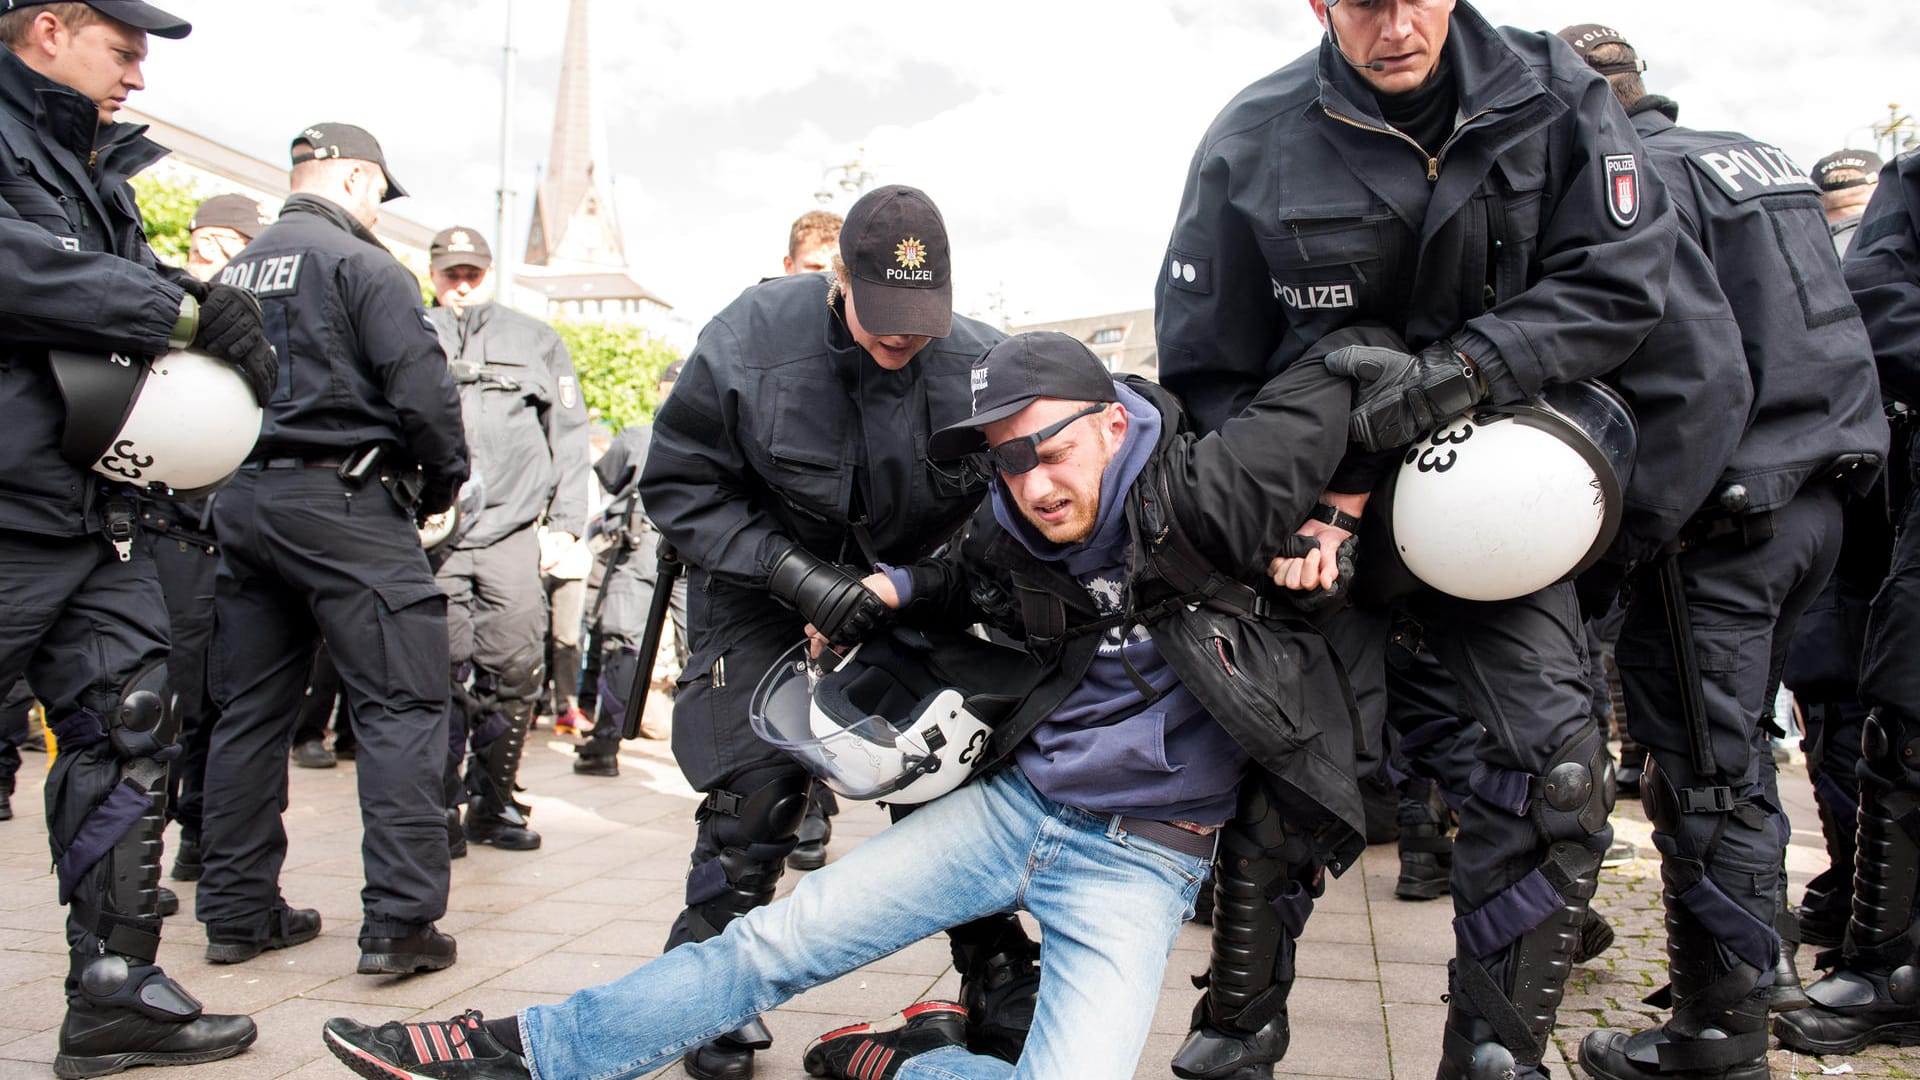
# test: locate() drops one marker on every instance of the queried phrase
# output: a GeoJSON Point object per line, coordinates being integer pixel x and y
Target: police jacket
{"type": "Point", "coordinates": [632, 560]}
{"type": "Point", "coordinates": [1757, 217]}
{"type": "Point", "coordinates": [1883, 271]}
{"type": "Point", "coordinates": [1534, 237]}
{"type": "Point", "coordinates": [781, 430]}
{"type": "Point", "coordinates": [359, 361]}
{"type": "Point", "coordinates": [75, 273]}
{"type": "Point", "coordinates": [1205, 517]}
{"type": "Point", "coordinates": [526, 425]}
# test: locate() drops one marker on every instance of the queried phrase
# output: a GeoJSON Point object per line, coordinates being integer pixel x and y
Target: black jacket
{"type": "Point", "coordinates": [1757, 217]}
{"type": "Point", "coordinates": [781, 430]}
{"type": "Point", "coordinates": [75, 273]}
{"type": "Point", "coordinates": [1305, 213]}
{"type": "Point", "coordinates": [1214, 508]}
{"type": "Point", "coordinates": [525, 420]}
{"type": "Point", "coordinates": [1883, 271]}
{"type": "Point", "coordinates": [359, 361]}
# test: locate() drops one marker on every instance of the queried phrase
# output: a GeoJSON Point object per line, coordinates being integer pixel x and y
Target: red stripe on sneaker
{"type": "Point", "coordinates": [878, 1067]}
{"type": "Point", "coordinates": [419, 1044]}
{"type": "Point", "coordinates": [439, 1043]}
{"type": "Point", "coordinates": [459, 1040]}
{"type": "Point", "coordinates": [857, 1064]}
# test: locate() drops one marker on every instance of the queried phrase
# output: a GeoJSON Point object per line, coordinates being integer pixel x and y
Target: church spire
{"type": "Point", "coordinates": [574, 224]}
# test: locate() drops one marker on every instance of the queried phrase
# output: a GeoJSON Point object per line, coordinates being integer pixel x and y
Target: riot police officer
{"type": "Point", "coordinates": [1706, 633]}
{"type": "Point", "coordinates": [84, 621]}
{"type": "Point", "coordinates": [317, 537]}
{"type": "Point", "coordinates": [528, 427]}
{"type": "Point", "coordinates": [1846, 179]}
{"type": "Point", "coordinates": [792, 446]}
{"type": "Point", "coordinates": [1869, 997]}
{"type": "Point", "coordinates": [1472, 201]}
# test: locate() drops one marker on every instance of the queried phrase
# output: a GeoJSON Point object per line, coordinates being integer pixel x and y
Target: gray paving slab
{"type": "Point", "coordinates": [601, 893]}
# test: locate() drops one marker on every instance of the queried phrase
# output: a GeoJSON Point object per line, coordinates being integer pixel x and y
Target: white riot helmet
{"type": "Point", "coordinates": [450, 526]}
{"type": "Point", "coordinates": [1509, 499]}
{"type": "Point", "coordinates": [180, 423]}
{"type": "Point", "coordinates": [866, 731]}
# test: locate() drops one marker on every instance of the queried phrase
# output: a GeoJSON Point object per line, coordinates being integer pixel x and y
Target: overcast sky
{"type": "Point", "coordinates": [1054, 136]}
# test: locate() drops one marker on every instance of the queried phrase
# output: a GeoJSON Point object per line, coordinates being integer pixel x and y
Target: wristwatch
{"type": "Point", "coordinates": [1334, 516]}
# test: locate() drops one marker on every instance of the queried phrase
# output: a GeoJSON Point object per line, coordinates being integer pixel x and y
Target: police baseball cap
{"type": "Point", "coordinates": [895, 247]}
{"type": "Point", "coordinates": [1845, 169]}
{"type": "Point", "coordinates": [1018, 372]}
{"type": "Point", "coordinates": [236, 212]}
{"type": "Point", "coordinates": [321, 142]}
{"type": "Point", "coordinates": [134, 13]}
{"type": "Point", "coordinates": [459, 246]}
{"type": "Point", "coordinates": [1586, 36]}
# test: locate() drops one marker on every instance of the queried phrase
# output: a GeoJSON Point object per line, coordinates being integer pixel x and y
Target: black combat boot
{"type": "Point", "coordinates": [815, 830]}
{"type": "Point", "coordinates": [999, 982]}
{"type": "Point", "coordinates": [1426, 849]}
{"type": "Point", "coordinates": [494, 816]}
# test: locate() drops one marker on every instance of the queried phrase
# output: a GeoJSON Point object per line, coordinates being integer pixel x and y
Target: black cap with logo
{"type": "Point", "coordinates": [459, 246]}
{"type": "Point", "coordinates": [1845, 169]}
{"type": "Point", "coordinates": [236, 212]}
{"type": "Point", "coordinates": [1018, 372]}
{"type": "Point", "coordinates": [140, 16]}
{"type": "Point", "coordinates": [1586, 36]}
{"type": "Point", "coordinates": [325, 142]}
{"type": "Point", "coordinates": [895, 247]}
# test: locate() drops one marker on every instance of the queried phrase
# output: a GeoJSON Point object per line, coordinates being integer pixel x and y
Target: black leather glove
{"type": "Point", "coordinates": [845, 611]}
{"type": "Point", "coordinates": [1601, 586]}
{"type": "Point", "coordinates": [1333, 597]}
{"type": "Point", "coordinates": [1405, 395]}
{"type": "Point", "coordinates": [230, 329]}
{"type": "Point", "coordinates": [437, 494]}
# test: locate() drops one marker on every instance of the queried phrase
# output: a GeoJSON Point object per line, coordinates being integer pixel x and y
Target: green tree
{"type": "Point", "coordinates": [618, 367]}
{"type": "Point", "coordinates": [166, 207]}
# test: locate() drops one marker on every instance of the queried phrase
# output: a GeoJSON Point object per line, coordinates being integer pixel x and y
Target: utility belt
{"type": "Point", "coordinates": [373, 461]}
{"type": "Point", "coordinates": [1717, 527]}
{"type": "Point", "coordinates": [198, 535]}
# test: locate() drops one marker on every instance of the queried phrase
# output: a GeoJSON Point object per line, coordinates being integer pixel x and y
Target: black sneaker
{"type": "Point", "coordinates": [876, 1050]}
{"type": "Point", "coordinates": [286, 927]}
{"type": "Point", "coordinates": [313, 754]}
{"type": "Point", "coordinates": [596, 765]}
{"type": "Point", "coordinates": [426, 949]}
{"type": "Point", "coordinates": [456, 1049]}
{"type": "Point", "coordinates": [101, 1040]}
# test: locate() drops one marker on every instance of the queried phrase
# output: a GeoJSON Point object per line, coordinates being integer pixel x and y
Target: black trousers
{"type": "Point", "coordinates": [304, 555]}
{"type": "Point", "coordinates": [79, 624]}
{"type": "Point", "coordinates": [186, 581]}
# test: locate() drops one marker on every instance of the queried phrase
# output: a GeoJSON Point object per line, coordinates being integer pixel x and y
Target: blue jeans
{"type": "Point", "coordinates": [1109, 905]}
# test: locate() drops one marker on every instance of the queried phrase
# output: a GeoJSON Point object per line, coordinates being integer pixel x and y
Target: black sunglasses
{"type": "Point", "coordinates": [1016, 456]}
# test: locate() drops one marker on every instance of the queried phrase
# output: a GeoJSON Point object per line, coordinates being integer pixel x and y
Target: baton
{"type": "Point", "coordinates": [657, 611]}
{"type": "Point", "coordinates": [1686, 666]}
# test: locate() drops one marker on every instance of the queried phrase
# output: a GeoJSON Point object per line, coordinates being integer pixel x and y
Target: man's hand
{"type": "Point", "coordinates": [1405, 395]}
{"type": "Point", "coordinates": [230, 329]}
{"type": "Point", "coordinates": [881, 586]}
{"type": "Point", "coordinates": [838, 606]}
{"type": "Point", "coordinates": [436, 496]}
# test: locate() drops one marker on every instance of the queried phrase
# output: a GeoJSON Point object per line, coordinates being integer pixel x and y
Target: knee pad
{"type": "Point", "coordinates": [519, 679]}
{"type": "Point", "coordinates": [752, 834]}
{"type": "Point", "coordinates": [1575, 791]}
{"type": "Point", "coordinates": [140, 724]}
{"type": "Point", "coordinates": [1265, 880]}
{"type": "Point", "coordinates": [1890, 747]}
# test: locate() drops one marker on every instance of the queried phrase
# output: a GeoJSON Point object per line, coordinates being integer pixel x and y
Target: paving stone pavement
{"type": "Point", "coordinates": [598, 896]}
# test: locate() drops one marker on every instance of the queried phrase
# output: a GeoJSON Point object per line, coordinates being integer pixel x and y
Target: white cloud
{"type": "Point", "coordinates": [1054, 136]}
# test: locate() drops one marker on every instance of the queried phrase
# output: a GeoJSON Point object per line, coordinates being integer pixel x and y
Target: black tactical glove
{"type": "Point", "coordinates": [230, 329]}
{"type": "Point", "coordinates": [1600, 586]}
{"type": "Point", "coordinates": [845, 611]}
{"type": "Point", "coordinates": [1333, 597]}
{"type": "Point", "coordinates": [1405, 395]}
{"type": "Point", "coordinates": [436, 496]}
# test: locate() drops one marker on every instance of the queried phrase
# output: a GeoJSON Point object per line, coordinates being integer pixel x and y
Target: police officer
{"type": "Point", "coordinates": [792, 447]}
{"type": "Point", "coordinates": [1846, 179]}
{"type": "Point", "coordinates": [528, 429]}
{"type": "Point", "coordinates": [1747, 564]}
{"type": "Point", "coordinates": [84, 621]}
{"type": "Point", "coordinates": [317, 537]}
{"type": "Point", "coordinates": [1473, 202]}
{"type": "Point", "coordinates": [1870, 996]}
{"type": "Point", "coordinates": [186, 556]}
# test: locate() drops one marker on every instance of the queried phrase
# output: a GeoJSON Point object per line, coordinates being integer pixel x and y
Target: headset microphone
{"type": "Point", "coordinates": [1371, 65]}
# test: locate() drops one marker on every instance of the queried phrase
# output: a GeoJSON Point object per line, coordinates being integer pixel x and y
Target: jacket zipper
{"type": "Point", "coordinates": [1433, 161]}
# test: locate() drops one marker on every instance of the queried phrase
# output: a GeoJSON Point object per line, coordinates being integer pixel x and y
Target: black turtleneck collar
{"type": "Point", "coordinates": [1428, 112]}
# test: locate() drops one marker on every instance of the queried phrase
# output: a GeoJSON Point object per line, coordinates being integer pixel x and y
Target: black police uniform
{"type": "Point", "coordinates": [527, 426]}
{"type": "Point", "coordinates": [1869, 997]}
{"type": "Point", "coordinates": [82, 618]}
{"type": "Point", "coordinates": [179, 533]}
{"type": "Point", "coordinates": [1536, 240]}
{"type": "Point", "coordinates": [1749, 562]}
{"type": "Point", "coordinates": [780, 431]}
{"type": "Point", "coordinates": [306, 552]}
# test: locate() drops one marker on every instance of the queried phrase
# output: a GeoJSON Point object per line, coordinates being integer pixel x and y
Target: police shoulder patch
{"type": "Point", "coordinates": [569, 397]}
{"type": "Point", "coordinates": [1623, 189]}
{"type": "Point", "coordinates": [1189, 273]}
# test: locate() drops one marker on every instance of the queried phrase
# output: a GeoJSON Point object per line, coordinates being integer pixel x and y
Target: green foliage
{"type": "Point", "coordinates": [166, 207]}
{"type": "Point", "coordinates": [618, 367]}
